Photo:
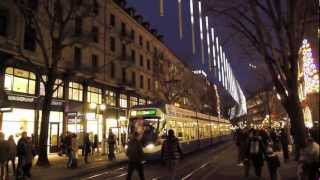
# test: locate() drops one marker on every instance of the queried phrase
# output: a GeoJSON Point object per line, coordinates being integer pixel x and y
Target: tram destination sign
{"type": "Point", "coordinates": [145, 112]}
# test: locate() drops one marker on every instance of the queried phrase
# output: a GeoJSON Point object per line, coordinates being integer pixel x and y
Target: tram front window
{"type": "Point", "coordinates": [146, 128]}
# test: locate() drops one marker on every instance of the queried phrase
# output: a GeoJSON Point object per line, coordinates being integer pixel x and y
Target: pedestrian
{"type": "Point", "coordinates": [62, 147]}
{"type": "Point", "coordinates": [86, 147]}
{"type": "Point", "coordinates": [135, 156]}
{"type": "Point", "coordinates": [310, 160]}
{"type": "Point", "coordinates": [68, 146]}
{"type": "Point", "coordinates": [275, 139]}
{"type": "Point", "coordinates": [30, 153]}
{"type": "Point", "coordinates": [255, 152]}
{"type": "Point", "coordinates": [4, 149]}
{"type": "Point", "coordinates": [74, 151]}
{"type": "Point", "coordinates": [171, 152]}
{"type": "Point", "coordinates": [284, 139]}
{"type": "Point", "coordinates": [12, 154]}
{"type": "Point", "coordinates": [111, 145]}
{"type": "Point", "coordinates": [273, 162]}
{"type": "Point", "coordinates": [95, 144]}
{"type": "Point", "coordinates": [22, 150]}
{"type": "Point", "coordinates": [123, 139]}
{"type": "Point", "coordinates": [237, 139]}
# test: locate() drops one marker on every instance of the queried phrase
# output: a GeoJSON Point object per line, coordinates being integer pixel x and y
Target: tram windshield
{"type": "Point", "coordinates": [147, 128]}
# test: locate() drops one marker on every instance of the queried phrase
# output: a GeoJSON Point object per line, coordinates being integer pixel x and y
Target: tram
{"type": "Point", "coordinates": [194, 130]}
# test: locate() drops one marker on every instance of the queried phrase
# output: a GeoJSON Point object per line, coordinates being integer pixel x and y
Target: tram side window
{"type": "Point", "coordinates": [19, 80]}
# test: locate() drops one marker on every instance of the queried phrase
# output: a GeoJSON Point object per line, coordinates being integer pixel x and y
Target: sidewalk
{"type": "Point", "coordinates": [58, 169]}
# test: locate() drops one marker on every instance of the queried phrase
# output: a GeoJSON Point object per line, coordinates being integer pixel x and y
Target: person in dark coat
{"type": "Point", "coordinates": [4, 149]}
{"type": "Point", "coordinates": [95, 144]}
{"type": "Point", "coordinates": [86, 147]}
{"type": "Point", "coordinates": [273, 162]}
{"type": "Point", "coordinates": [284, 138]}
{"type": "Point", "coordinates": [12, 154]}
{"type": "Point", "coordinates": [171, 153]}
{"type": "Point", "coordinates": [111, 145]}
{"type": "Point", "coordinates": [23, 156]}
{"type": "Point", "coordinates": [255, 150]}
{"type": "Point", "coordinates": [135, 156]}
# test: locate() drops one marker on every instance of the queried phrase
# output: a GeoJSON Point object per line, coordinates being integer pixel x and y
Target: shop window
{"type": "Point", "coordinates": [19, 80]}
{"type": "Point", "coordinates": [3, 22]}
{"type": "Point", "coordinates": [58, 93]}
{"type": "Point", "coordinates": [75, 91]}
{"type": "Point", "coordinates": [111, 98]}
{"type": "Point", "coordinates": [94, 95]}
{"type": "Point", "coordinates": [123, 101]}
{"type": "Point", "coordinates": [133, 101]}
{"type": "Point", "coordinates": [142, 102]}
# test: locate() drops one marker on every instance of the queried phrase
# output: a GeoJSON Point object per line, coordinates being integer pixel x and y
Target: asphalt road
{"type": "Point", "coordinates": [207, 164]}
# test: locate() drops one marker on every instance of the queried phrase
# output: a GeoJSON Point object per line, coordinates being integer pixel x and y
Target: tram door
{"type": "Point", "coordinates": [54, 137]}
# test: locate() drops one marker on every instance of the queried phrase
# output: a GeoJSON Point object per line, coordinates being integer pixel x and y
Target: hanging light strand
{"type": "Point", "coordinates": [161, 5]}
{"type": "Point", "coordinates": [180, 19]}
{"type": "Point", "coordinates": [192, 28]}
{"type": "Point", "coordinates": [208, 43]}
{"type": "Point", "coordinates": [213, 48]}
{"type": "Point", "coordinates": [201, 31]}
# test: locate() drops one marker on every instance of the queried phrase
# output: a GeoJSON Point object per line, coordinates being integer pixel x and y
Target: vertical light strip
{"type": "Point", "coordinates": [221, 60]}
{"type": "Point", "coordinates": [208, 43]}
{"type": "Point", "coordinates": [180, 19]}
{"type": "Point", "coordinates": [223, 70]}
{"type": "Point", "coordinates": [213, 48]}
{"type": "Point", "coordinates": [161, 8]}
{"type": "Point", "coordinates": [201, 31]}
{"type": "Point", "coordinates": [218, 58]}
{"type": "Point", "coordinates": [192, 28]}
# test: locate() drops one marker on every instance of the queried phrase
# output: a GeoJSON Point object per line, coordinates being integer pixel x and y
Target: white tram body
{"type": "Point", "coordinates": [195, 130]}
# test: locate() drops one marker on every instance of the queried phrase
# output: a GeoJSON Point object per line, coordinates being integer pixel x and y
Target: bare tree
{"type": "Point", "coordinates": [275, 29]}
{"type": "Point", "coordinates": [53, 26]}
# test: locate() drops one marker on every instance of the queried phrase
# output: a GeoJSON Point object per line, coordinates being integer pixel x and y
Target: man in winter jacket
{"type": "Point", "coordinates": [135, 156]}
{"type": "Point", "coordinates": [171, 152]}
{"type": "Point", "coordinates": [4, 149]}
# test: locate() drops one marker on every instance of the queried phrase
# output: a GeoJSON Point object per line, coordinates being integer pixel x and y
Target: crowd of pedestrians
{"type": "Point", "coordinates": [24, 150]}
{"type": "Point", "coordinates": [257, 146]}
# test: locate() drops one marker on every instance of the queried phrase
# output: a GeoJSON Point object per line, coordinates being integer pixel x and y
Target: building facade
{"type": "Point", "coordinates": [98, 81]}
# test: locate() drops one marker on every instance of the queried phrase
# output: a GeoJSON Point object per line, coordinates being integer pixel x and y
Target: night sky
{"type": "Point", "coordinates": [168, 26]}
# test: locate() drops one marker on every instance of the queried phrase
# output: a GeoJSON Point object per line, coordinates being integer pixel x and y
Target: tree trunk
{"type": "Point", "coordinates": [295, 113]}
{"type": "Point", "coordinates": [43, 141]}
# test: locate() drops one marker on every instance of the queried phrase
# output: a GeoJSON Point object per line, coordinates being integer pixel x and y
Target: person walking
{"type": "Point", "coordinates": [310, 160]}
{"type": "Point", "coordinates": [95, 144]}
{"type": "Point", "coordinates": [86, 147]}
{"type": "Point", "coordinates": [255, 152]}
{"type": "Point", "coordinates": [171, 152]}
{"type": "Point", "coordinates": [12, 154]}
{"type": "Point", "coordinates": [273, 162]}
{"type": "Point", "coordinates": [29, 154]}
{"type": "Point", "coordinates": [135, 156]}
{"type": "Point", "coordinates": [4, 149]}
{"type": "Point", "coordinates": [22, 155]}
{"type": "Point", "coordinates": [284, 139]}
{"type": "Point", "coordinates": [74, 151]}
{"type": "Point", "coordinates": [111, 145]}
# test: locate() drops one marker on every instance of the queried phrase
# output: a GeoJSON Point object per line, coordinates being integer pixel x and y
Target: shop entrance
{"type": "Point", "coordinates": [54, 137]}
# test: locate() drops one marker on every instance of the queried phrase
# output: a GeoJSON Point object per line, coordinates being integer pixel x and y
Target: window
{"type": "Point", "coordinates": [95, 7]}
{"type": "Point", "coordinates": [3, 23]}
{"type": "Point", "coordinates": [124, 51]}
{"type": "Point", "coordinates": [148, 64]}
{"type": "Point", "coordinates": [133, 56]}
{"type": "Point", "coordinates": [95, 34]}
{"type": "Point", "coordinates": [111, 98]}
{"type": "Point", "coordinates": [29, 38]}
{"type": "Point", "coordinates": [141, 60]}
{"type": "Point", "coordinates": [75, 91]}
{"type": "Point", "coordinates": [112, 20]}
{"type": "Point", "coordinates": [124, 75]}
{"type": "Point", "coordinates": [141, 82]}
{"type": "Point", "coordinates": [142, 102]}
{"type": "Point", "coordinates": [77, 57]}
{"type": "Point", "coordinates": [112, 70]}
{"type": "Point", "coordinates": [148, 45]}
{"type": "Point", "coordinates": [140, 41]}
{"type": "Point", "coordinates": [123, 29]}
{"type": "Point", "coordinates": [19, 80]}
{"type": "Point", "coordinates": [78, 26]}
{"type": "Point", "coordinates": [112, 44]}
{"type": "Point", "coordinates": [123, 101]}
{"type": "Point", "coordinates": [149, 84]}
{"type": "Point", "coordinates": [58, 93]}
{"type": "Point", "coordinates": [133, 35]}
{"type": "Point", "coordinates": [133, 78]}
{"type": "Point", "coordinates": [133, 101]}
{"type": "Point", "coordinates": [95, 63]}
{"type": "Point", "coordinates": [94, 95]}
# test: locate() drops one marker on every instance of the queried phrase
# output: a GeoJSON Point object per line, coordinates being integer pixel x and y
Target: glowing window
{"type": "Point", "coordinates": [19, 80]}
{"type": "Point", "coordinates": [75, 91]}
{"type": "Point", "coordinates": [94, 95]}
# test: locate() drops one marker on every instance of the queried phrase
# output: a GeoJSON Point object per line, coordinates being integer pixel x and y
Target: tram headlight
{"type": "Point", "coordinates": [150, 146]}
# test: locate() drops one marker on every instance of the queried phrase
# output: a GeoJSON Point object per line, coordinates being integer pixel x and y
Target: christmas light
{"type": "Point", "coordinates": [213, 48]}
{"type": "Point", "coordinates": [208, 43]}
{"type": "Point", "coordinates": [192, 28]}
{"type": "Point", "coordinates": [201, 31]}
{"type": "Point", "coordinates": [180, 19]}
{"type": "Point", "coordinates": [161, 8]}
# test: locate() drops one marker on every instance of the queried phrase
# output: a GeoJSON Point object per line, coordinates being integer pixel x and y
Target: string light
{"type": "Point", "coordinates": [192, 28]}
{"type": "Point", "coordinates": [208, 43]}
{"type": "Point", "coordinates": [180, 19]}
{"type": "Point", "coordinates": [201, 31]}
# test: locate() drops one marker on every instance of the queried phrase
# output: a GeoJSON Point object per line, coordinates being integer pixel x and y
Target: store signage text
{"type": "Point", "coordinates": [6, 109]}
{"type": "Point", "coordinates": [20, 98]}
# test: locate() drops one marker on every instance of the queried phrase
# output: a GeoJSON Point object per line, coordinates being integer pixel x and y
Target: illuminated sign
{"type": "Point", "coordinates": [147, 112]}
{"type": "Point", "coordinates": [6, 109]}
{"type": "Point", "coordinates": [20, 98]}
